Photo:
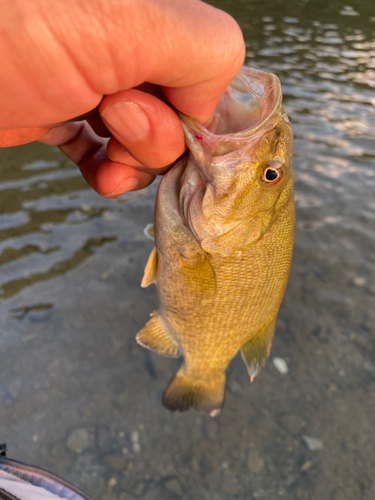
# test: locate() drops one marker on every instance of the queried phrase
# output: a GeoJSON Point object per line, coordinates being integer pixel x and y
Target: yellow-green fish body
{"type": "Point", "coordinates": [224, 229]}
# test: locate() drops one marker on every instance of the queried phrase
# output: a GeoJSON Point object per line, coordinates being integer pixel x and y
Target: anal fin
{"type": "Point", "coordinates": [149, 275]}
{"type": "Point", "coordinates": [257, 350]}
{"type": "Point", "coordinates": [155, 337]}
{"type": "Point", "coordinates": [184, 392]}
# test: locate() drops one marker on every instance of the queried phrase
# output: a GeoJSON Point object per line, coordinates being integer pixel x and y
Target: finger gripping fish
{"type": "Point", "coordinates": [224, 230]}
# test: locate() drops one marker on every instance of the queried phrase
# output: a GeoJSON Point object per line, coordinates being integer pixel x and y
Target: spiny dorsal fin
{"type": "Point", "coordinates": [149, 275]}
{"type": "Point", "coordinates": [257, 350]}
{"type": "Point", "coordinates": [184, 392]}
{"type": "Point", "coordinates": [154, 336]}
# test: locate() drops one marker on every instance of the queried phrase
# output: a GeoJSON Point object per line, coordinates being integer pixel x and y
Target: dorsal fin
{"type": "Point", "coordinates": [257, 350]}
{"type": "Point", "coordinates": [154, 336]}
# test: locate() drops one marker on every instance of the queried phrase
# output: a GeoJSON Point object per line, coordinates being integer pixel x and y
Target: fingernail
{"type": "Point", "coordinates": [127, 120]}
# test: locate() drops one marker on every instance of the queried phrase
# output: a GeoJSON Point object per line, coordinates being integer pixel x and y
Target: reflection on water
{"type": "Point", "coordinates": [50, 222]}
{"type": "Point", "coordinates": [70, 302]}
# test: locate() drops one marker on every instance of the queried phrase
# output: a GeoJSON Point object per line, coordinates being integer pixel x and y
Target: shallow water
{"type": "Point", "coordinates": [79, 397]}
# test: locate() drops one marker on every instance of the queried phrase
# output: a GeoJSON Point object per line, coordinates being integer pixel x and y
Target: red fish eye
{"type": "Point", "coordinates": [271, 175]}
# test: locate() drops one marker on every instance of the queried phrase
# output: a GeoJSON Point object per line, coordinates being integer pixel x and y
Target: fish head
{"type": "Point", "coordinates": [237, 181]}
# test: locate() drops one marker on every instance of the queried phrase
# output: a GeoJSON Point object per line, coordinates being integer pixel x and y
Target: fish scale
{"type": "Point", "coordinates": [224, 229]}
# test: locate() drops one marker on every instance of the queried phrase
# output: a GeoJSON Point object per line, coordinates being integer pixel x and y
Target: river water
{"type": "Point", "coordinates": [79, 397]}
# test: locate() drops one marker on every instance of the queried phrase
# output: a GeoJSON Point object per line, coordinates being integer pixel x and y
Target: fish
{"type": "Point", "coordinates": [224, 231]}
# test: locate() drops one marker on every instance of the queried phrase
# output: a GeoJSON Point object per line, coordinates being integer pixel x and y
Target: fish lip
{"type": "Point", "coordinates": [190, 125]}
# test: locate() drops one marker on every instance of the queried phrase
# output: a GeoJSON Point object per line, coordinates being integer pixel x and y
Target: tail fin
{"type": "Point", "coordinates": [184, 392]}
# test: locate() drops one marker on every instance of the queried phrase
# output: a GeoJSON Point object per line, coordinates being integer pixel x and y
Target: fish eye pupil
{"type": "Point", "coordinates": [271, 174]}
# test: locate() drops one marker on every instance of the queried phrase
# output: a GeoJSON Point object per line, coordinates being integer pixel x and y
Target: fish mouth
{"type": "Point", "coordinates": [247, 112]}
{"type": "Point", "coordinates": [248, 103]}
{"type": "Point", "coordinates": [191, 186]}
{"type": "Point", "coordinates": [249, 107]}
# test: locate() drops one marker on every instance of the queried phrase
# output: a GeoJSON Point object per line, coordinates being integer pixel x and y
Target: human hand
{"type": "Point", "coordinates": [58, 60]}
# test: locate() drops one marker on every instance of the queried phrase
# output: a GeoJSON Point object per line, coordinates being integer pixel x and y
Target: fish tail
{"type": "Point", "coordinates": [185, 391]}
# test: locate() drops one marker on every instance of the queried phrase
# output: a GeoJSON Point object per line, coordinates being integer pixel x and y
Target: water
{"type": "Point", "coordinates": [79, 397]}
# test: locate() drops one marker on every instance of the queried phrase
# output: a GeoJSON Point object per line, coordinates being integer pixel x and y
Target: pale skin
{"type": "Point", "coordinates": [74, 71]}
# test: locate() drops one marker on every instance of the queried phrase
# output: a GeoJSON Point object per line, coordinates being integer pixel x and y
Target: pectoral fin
{"type": "Point", "coordinates": [154, 336]}
{"type": "Point", "coordinates": [149, 275]}
{"type": "Point", "coordinates": [149, 232]}
{"type": "Point", "coordinates": [257, 350]}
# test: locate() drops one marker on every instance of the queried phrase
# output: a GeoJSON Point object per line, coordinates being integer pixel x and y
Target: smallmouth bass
{"type": "Point", "coordinates": [224, 230]}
